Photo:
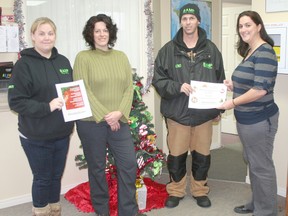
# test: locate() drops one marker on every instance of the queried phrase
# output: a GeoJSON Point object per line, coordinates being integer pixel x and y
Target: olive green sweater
{"type": "Point", "coordinates": [107, 76]}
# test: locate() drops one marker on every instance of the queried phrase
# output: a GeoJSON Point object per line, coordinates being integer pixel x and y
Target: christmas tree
{"type": "Point", "coordinates": [150, 158]}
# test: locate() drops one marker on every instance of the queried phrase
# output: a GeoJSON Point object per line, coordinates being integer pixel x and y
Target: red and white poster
{"type": "Point", "coordinates": [76, 101]}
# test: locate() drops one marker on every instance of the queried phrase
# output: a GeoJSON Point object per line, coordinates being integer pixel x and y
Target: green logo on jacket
{"type": "Point", "coordinates": [207, 65]}
{"type": "Point", "coordinates": [10, 86]}
{"type": "Point", "coordinates": [178, 65]}
{"type": "Point", "coordinates": [64, 71]}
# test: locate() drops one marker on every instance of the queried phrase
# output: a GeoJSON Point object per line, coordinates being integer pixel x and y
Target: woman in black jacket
{"type": "Point", "coordinates": [43, 133]}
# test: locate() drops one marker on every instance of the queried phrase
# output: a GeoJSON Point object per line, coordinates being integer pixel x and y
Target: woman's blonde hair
{"type": "Point", "coordinates": [42, 20]}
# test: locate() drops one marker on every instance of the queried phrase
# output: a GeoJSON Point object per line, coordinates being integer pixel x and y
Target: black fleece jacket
{"type": "Point", "coordinates": [32, 87]}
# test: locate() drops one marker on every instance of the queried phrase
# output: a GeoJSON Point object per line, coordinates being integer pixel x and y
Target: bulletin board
{"type": "Point", "coordinates": [10, 40]}
{"type": "Point", "coordinates": [279, 33]}
{"type": "Point", "coordinates": [9, 31]}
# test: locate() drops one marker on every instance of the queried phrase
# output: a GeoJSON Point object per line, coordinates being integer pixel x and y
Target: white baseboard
{"type": "Point", "coordinates": [280, 191]}
{"type": "Point", "coordinates": [28, 198]}
{"type": "Point", "coordinates": [15, 201]}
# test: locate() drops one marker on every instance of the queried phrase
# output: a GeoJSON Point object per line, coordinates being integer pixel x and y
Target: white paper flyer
{"type": "Point", "coordinates": [76, 101]}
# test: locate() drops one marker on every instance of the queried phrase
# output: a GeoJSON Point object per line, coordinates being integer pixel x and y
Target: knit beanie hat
{"type": "Point", "coordinates": [190, 9]}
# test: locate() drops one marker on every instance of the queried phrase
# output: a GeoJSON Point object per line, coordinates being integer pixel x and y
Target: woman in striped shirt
{"type": "Point", "coordinates": [255, 110]}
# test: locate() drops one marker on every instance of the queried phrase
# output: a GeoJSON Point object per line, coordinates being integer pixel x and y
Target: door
{"type": "Point", "coordinates": [230, 56]}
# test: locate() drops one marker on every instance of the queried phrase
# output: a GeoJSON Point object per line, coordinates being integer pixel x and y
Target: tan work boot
{"type": "Point", "coordinates": [43, 211]}
{"type": "Point", "coordinates": [55, 209]}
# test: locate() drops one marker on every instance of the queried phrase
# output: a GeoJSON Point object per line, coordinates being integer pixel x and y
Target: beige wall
{"type": "Point", "coordinates": [16, 178]}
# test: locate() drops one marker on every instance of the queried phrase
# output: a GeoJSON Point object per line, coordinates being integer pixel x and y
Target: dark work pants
{"type": "Point", "coordinates": [95, 138]}
{"type": "Point", "coordinates": [47, 161]}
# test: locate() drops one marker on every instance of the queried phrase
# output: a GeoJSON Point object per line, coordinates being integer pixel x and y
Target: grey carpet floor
{"type": "Point", "coordinates": [227, 163]}
{"type": "Point", "coordinates": [224, 196]}
{"type": "Point", "coordinates": [227, 190]}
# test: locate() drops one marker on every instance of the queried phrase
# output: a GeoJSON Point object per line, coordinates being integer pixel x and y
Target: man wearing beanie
{"type": "Point", "coordinates": [188, 56]}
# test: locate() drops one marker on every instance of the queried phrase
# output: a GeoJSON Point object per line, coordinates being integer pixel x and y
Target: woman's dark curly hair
{"type": "Point", "coordinates": [243, 47]}
{"type": "Point", "coordinates": [88, 31]}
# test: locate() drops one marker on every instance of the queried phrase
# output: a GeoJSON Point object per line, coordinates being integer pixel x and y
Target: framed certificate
{"type": "Point", "coordinates": [207, 95]}
{"type": "Point", "coordinates": [278, 32]}
{"type": "Point", "coordinates": [276, 5]}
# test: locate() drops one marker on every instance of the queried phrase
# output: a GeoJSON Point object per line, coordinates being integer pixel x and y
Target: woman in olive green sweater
{"type": "Point", "coordinates": [108, 80]}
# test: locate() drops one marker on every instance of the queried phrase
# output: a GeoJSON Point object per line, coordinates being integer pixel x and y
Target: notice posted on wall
{"type": "Point", "coordinates": [76, 104]}
{"type": "Point", "coordinates": [9, 39]}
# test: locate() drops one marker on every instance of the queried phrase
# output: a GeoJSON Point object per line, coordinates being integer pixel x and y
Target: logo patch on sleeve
{"type": "Point", "coordinates": [178, 65]}
{"type": "Point", "coordinates": [64, 71]}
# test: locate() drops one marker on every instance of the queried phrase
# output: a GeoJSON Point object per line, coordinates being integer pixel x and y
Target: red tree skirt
{"type": "Point", "coordinates": [80, 196]}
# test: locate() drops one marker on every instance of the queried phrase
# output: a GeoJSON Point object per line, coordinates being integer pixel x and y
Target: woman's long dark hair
{"type": "Point", "coordinates": [243, 47]}
{"type": "Point", "coordinates": [88, 31]}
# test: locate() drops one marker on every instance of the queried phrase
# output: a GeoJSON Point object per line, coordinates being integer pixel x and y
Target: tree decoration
{"type": "Point", "coordinates": [149, 37]}
{"type": "Point", "coordinates": [150, 158]}
{"type": "Point", "coordinates": [19, 19]}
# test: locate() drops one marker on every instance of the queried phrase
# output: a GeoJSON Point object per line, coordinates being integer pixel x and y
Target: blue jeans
{"type": "Point", "coordinates": [47, 161]}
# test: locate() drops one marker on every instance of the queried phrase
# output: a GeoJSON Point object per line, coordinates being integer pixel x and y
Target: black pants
{"type": "Point", "coordinates": [95, 138]}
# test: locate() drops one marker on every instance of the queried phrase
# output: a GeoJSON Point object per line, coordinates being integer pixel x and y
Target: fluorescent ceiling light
{"type": "Point", "coordinates": [34, 2]}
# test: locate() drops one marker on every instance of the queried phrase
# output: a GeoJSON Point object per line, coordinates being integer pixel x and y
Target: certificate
{"type": "Point", "coordinates": [76, 104]}
{"type": "Point", "coordinates": [207, 95]}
